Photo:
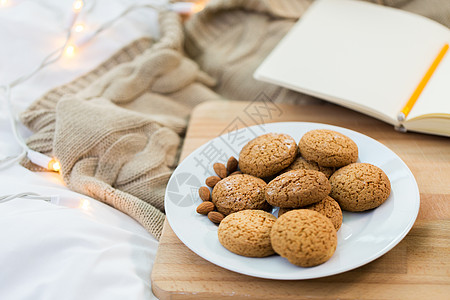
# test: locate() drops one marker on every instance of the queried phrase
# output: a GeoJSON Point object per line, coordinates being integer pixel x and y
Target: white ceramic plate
{"type": "Point", "coordinates": [362, 237]}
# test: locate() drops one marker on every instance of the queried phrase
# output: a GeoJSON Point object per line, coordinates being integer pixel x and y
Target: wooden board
{"type": "Point", "coordinates": [417, 268]}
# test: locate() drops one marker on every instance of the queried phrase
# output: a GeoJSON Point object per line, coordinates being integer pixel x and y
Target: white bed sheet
{"type": "Point", "coordinates": [79, 248]}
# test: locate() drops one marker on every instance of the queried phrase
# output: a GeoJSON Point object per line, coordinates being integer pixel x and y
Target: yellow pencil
{"type": "Point", "coordinates": [409, 105]}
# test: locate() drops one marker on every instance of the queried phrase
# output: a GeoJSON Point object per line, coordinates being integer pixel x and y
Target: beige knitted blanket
{"type": "Point", "coordinates": [117, 130]}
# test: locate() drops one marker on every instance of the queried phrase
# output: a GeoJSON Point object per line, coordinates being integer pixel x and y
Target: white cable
{"type": "Point", "coordinates": [51, 58]}
{"type": "Point", "coordinates": [6, 162]}
{"type": "Point", "coordinates": [110, 23]}
{"type": "Point", "coordinates": [36, 157]}
{"type": "Point", "coordinates": [39, 158]}
{"type": "Point", "coordinates": [13, 119]}
{"type": "Point", "coordinates": [42, 160]}
{"type": "Point", "coordinates": [178, 7]}
{"type": "Point", "coordinates": [30, 195]}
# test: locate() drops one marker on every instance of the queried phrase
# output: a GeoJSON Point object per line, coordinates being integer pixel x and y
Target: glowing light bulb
{"type": "Point", "coordinates": [77, 5]}
{"type": "Point", "coordinates": [4, 3]}
{"type": "Point", "coordinates": [43, 161]}
{"type": "Point", "coordinates": [70, 50]}
{"type": "Point", "coordinates": [78, 27]}
{"type": "Point", "coordinates": [54, 165]}
{"type": "Point", "coordinates": [85, 204]}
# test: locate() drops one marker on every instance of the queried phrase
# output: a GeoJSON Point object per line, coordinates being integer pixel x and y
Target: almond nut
{"type": "Point", "coordinates": [204, 193]}
{"type": "Point", "coordinates": [212, 180]}
{"type": "Point", "coordinates": [220, 170]}
{"type": "Point", "coordinates": [232, 165]}
{"type": "Point", "coordinates": [215, 217]}
{"type": "Point", "coordinates": [205, 207]}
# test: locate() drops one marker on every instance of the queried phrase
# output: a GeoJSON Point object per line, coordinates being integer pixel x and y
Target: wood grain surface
{"type": "Point", "coordinates": [417, 268]}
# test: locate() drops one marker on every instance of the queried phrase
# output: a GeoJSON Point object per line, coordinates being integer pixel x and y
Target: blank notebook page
{"type": "Point", "coordinates": [435, 97]}
{"type": "Point", "coordinates": [358, 54]}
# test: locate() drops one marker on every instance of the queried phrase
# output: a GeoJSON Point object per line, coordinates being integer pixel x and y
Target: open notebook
{"type": "Point", "coordinates": [369, 58]}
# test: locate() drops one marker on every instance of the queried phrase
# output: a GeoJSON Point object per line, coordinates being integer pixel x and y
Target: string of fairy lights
{"type": "Point", "coordinates": [69, 48]}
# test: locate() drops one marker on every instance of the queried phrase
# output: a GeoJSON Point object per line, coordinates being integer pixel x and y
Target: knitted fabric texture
{"type": "Point", "coordinates": [117, 130]}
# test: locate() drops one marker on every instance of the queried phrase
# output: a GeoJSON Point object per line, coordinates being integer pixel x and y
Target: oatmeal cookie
{"type": "Point", "coordinates": [267, 154]}
{"type": "Point", "coordinates": [297, 188]}
{"type": "Point", "coordinates": [360, 187]}
{"type": "Point", "coordinates": [304, 237]}
{"type": "Point", "coordinates": [239, 192]}
{"type": "Point", "coordinates": [328, 148]}
{"type": "Point", "coordinates": [247, 233]}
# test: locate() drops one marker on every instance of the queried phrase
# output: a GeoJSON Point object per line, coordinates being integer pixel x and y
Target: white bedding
{"type": "Point", "coordinates": [78, 248]}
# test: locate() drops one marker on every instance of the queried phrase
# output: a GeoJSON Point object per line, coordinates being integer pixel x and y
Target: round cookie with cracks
{"type": "Point", "coordinates": [297, 188]}
{"type": "Point", "coordinates": [305, 237]}
{"type": "Point", "coordinates": [328, 148]}
{"type": "Point", "coordinates": [360, 187]}
{"type": "Point", "coordinates": [267, 154]}
{"type": "Point", "coordinates": [247, 233]}
{"type": "Point", "coordinates": [239, 192]}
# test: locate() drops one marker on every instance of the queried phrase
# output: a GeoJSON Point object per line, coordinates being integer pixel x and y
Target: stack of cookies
{"type": "Point", "coordinates": [311, 183]}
